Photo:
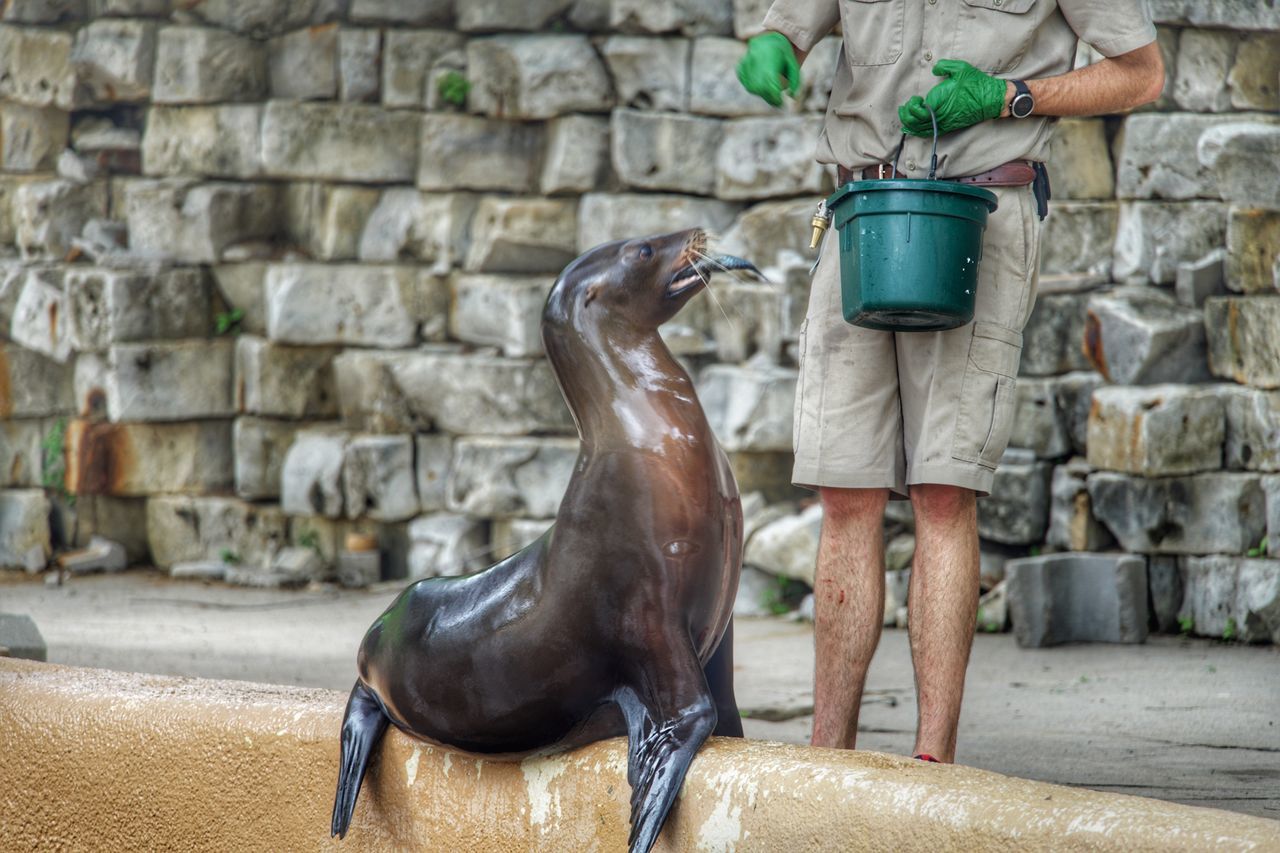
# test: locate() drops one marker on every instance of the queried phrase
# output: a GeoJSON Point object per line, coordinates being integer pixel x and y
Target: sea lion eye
{"type": "Point", "coordinates": [645, 251]}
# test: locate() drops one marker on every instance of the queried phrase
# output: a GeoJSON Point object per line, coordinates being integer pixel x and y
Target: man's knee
{"type": "Point", "coordinates": [941, 503]}
{"type": "Point", "coordinates": [851, 505]}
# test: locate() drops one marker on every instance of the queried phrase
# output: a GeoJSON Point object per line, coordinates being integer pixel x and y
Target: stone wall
{"type": "Point", "coordinates": [273, 274]}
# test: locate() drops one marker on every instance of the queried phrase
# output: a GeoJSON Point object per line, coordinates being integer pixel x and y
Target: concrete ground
{"type": "Point", "coordinates": [1191, 721]}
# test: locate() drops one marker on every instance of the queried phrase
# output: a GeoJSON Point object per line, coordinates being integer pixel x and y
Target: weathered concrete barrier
{"type": "Point", "coordinates": [98, 760]}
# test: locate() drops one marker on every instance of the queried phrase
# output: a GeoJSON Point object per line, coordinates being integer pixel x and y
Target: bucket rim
{"type": "Point", "coordinates": [912, 185]}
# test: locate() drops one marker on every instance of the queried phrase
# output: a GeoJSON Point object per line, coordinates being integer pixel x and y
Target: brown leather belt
{"type": "Point", "coordinates": [1015, 173]}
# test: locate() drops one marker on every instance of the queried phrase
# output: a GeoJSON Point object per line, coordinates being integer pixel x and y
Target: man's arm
{"type": "Point", "coordinates": [1111, 85]}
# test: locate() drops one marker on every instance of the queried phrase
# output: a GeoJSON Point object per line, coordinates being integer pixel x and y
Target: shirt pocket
{"type": "Point", "coordinates": [997, 33]}
{"type": "Point", "coordinates": [988, 395]}
{"type": "Point", "coordinates": [872, 31]}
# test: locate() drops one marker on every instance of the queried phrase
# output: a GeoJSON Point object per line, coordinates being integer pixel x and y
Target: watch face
{"type": "Point", "coordinates": [1022, 106]}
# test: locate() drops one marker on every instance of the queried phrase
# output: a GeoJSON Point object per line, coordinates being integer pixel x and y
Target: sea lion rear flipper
{"type": "Point", "coordinates": [719, 672]}
{"type": "Point", "coordinates": [362, 727]}
{"type": "Point", "coordinates": [665, 732]}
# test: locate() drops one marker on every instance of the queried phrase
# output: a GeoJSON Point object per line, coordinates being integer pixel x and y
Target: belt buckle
{"type": "Point", "coordinates": [882, 169]}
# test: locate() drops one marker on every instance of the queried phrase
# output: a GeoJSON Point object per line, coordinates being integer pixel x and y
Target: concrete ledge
{"type": "Point", "coordinates": [98, 760]}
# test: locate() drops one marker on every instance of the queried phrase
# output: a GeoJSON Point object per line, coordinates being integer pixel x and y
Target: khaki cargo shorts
{"type": "Point", "coordinates": [890, 410]}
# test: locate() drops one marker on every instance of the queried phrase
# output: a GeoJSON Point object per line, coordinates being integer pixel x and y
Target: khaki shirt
{"type": "Point", "coordinates": [890, 47]}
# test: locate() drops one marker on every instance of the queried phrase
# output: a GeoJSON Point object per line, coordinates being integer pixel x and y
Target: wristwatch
{"type": "Point", "coordinates": [1022, 103]}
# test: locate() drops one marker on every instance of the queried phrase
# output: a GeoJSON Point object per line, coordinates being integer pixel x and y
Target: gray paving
{"type": "Point", "coordinates": [1191, 721]}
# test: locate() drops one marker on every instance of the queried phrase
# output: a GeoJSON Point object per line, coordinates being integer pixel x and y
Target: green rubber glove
{"type": "Point", "coordinates": [769, 59]}
{"type": "Point", "coordinates": [966, 97]}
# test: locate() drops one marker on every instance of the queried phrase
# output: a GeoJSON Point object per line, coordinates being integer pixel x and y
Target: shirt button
{"type": "Point", "coordinates": [928, 55]}
{"type": "Point", "coordinates": [999, 2]}
{"type": "Point", "coordinates": [932, 2]}
{"type": "Point", "coordinates": [911, 165]}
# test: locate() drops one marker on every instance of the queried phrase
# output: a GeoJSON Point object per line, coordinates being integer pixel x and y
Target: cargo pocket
{"type": "Point", "coordinates": [1014, 20]}
{"type": "Point", "coordinates": [872, 31]}
{"type": "Point", "coordinates": [987, 395]}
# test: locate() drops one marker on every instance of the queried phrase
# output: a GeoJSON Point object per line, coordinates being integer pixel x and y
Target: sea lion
{"type": "Point", "coordinates": [618, 619]}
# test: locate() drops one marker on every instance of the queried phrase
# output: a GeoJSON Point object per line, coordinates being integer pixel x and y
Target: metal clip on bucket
{"type": "Point", "coordinates": [910, 248]}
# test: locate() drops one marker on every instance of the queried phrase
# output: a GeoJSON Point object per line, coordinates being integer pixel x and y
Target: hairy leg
{"type": "Point", "coordinates": [942, 606]}
{"type": "Point", "coordinates": [848, 609]}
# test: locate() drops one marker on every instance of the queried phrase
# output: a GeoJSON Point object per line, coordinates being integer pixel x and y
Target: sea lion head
{"type": "Point", "coordinates": [642, 282]}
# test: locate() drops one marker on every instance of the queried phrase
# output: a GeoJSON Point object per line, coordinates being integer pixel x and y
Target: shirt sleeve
{"type": "Point", "coordinates": [1113, 27]}
{"type": "Point", "coordinates": [803, 22]}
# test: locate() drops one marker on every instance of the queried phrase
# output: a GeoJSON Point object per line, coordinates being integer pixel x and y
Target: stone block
{"type": "Point", "coordinates": [378, 477]}
{"type": "Point", "coordinates": [748, 321]}
{"type": "Point", "coordinates": [1243, 345]}
{"type": "Point", "coordinates": [239, 287]}
{"type": "Point", "coordinates": [303, 64]}
{"type": "Point", "coordinates": [20, 638]}
{"type": "Point", "coordinates": [406, 223]}
{"type": "Point", "coordinates": [359, 569]}
{"type": "Point", "coordinates": [665, 151]}
{"type": "Point", "coordinates": [22, 451]}
{"type": "Point", "coordinates": [100, 555]}
{"type": "Point", "coordinates": [136, 459]}
{"type": "Point", "coordinates": [24, 529]}
{"type": "Point", "coordinates": [689, 17]}
{"type": "Point", "coordinates": [1244, 158]}
{"type": "Point", "coordinates": [1078, 598]}
{"type": "Point", "coordinates": [1255, 75]}
{"type": "Point", "coordinates": [43, 12]}
{"type": "Point", "coordinates": [1271, 490]}
{"type": "Point", "coordinates": [1053, 338]}
{"type": "Point", "coordinates": [1237, 15]}
{"type": "Point", "coordinates": [1204, 59]}
{"type": "Point", "coordinates": [1253, 247]}
{"type": "Point", "coordinates": [1081, 160]}
{"type": "Point", "coordinates": [49, 215]}
{"type": "Point", "coordinates": [416, 14]}
{"type": "Point", "coordinates": [1017, 510]}
{"type": "Point", "coordinates": [788, 547]}
{"type": "Point", "coordinates": [471, 152]}
{"type": "Point", "coordinates": [130, 8]}
{"type": "Point", "coordinates": [407, 59]}
{"type": "Point", "coordinates": [748, 17]}
{"type": "Point", "coordinates": [359, 64]}
{"type": "Point", "coordinates": [713, 81]}
{"type": "Point", "coordinates": [261, 19]}
{"type": "Point", "coordinates": [111, 147]}
{"type": "Point", "coordinates": [1039, 424]}
{"type": "Point", "coordinates": [603, 217]}
{"type": "Point", "coordinates": [311, 478]}
{"type": "Point", "coordinates": [197, 223]}
{"type": "Point", "coordinates": [260, 446]}
{"type": "Point", "coordinates": [31, 138]}
{"type": "Point", "coordinates": [35, 67]}
{"type": "Point", "coordinates": [433, 457]}
{"type": "Point", "coordinates": [493, 15]}
{"type": "Point", "coordinates": [114, 59]}
{"type": "Point", "coordinates": [1196, 281]}
{"type": "Point", "coordinates": [774, 234]}
{"type": "Point", "coordinates": [1152, 238]}
{"type": "Point", "coordinates": [338, 142]}
{"type": "Point", "coordinates": [183, 528]}
{"type": "Point", "coordinates": [340, 304]}
{"type": "Point", "coordinates": [204, 65]}
{"type": "Point", "coordinates": [577, 154]}
{"type": "Point", "coordinates": [1157, 155]}
{"type": "Point", "coordinates": [522, 235]}
{"type": "Point", "coordinates": [107, 306]}
{"type": "Point", "coordinates": [1140, 336]}
{"type": "Point", "coordinates": [284, 381]}
{"type": "Point", "coordinates": [1157, 430]}
{"type": "Point", "coordinates": [327, 221]}
{"type": "Point", "coordinates": [1232, 598]}
{"type": "Point", "coordinates": [1079, 237]}
{"type": "Point", "coordinates": [33, 385]}
{"type": "Point", "coordinates": [1072, 526]}
{"type": "Point", "coordinates": [649, 73]}
{"type": "Point", "coordinates": [510, 535]}
{"type": "Point", "coordinates": [446, 545]}
{"type": "Point", "coordinates": [1181, 515]}
{"type": "Point", "coordinates": [510, 477]}
{"type": "Point", "coordinates": [162, 381]}
{"type": "Point", "coordinates": [215, 141]}
{"type": "Point", "coordinates": [40, 318]}
{"type": "Point", "coordinates": [749, 406]}
{"type": "Point", "coordinates": [536, 76]}
{"type": "Point", "coordinates": [501, 311]}
{"type": "Point", "coordinates": [460, 393]}
{"type": "Point", "coordinates": [1252, 429]}
{"type": "Point", "coordinates": [1164, 594]}
{"type": "Point", "coordinates": [767, 157]}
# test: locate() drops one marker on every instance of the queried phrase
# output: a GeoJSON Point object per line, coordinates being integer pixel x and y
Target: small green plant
{"type": "Point", "coordinates": [1259, 550]}
{"type": "Point", "coordinates": [454, 87]}
{"type": "Point", "coordinates": [228, 321]}
{"type": "Point", "coordinates": [1084, 679]}
{"type": "Point", "coordinates": [309, 539]}
{"type": "Point", "coordinates": [783, 595]}
{"type": "Point", "coordinates": [1185, 624]}
{"type": "Point", "coordinates": [1210, 668]}
{"type": "Point", "coordinates": [228, 556]}
{"type": "Point", "coordinates": [1229, 632]}
{"type": "Point", "coordinates": [1034, 551]}
{"type": "Point", "coordinates": [53, 461]}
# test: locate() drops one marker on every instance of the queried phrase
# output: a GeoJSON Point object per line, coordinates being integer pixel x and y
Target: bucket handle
{"type": "Point", "coordinates": [933, 156]}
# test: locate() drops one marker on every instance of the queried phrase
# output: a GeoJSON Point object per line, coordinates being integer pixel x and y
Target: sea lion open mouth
{"type": "Point", "coordinates": [694, 273]}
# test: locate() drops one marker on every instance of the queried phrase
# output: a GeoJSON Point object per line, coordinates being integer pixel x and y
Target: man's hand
{"type": "Point", "coordinates": [769, 60]}
{"type": "Point", "coordinates": [967, 96]}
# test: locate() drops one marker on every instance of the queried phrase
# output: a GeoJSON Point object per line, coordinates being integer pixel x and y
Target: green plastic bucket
{"type": "Point", "coordinates": [909, 252]}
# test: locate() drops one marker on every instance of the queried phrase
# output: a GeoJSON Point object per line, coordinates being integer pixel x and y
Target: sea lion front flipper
{"type": "Point", "coordinates": [362, 727]}
{"type": "Point", "coordinates": [666, 729]}
{"type": "Point", "coordinates": [719, 672]}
